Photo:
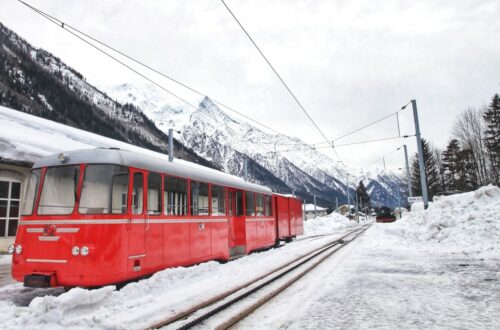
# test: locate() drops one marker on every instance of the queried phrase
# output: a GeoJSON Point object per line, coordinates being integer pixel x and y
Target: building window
{"type": "Point", "coordinates": [10, 193]}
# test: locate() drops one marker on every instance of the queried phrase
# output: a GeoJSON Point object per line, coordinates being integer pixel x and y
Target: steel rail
{"type": "Point", "coordinates": [191, 310]}
{"type": "Point", "coordinates": [250, 309]}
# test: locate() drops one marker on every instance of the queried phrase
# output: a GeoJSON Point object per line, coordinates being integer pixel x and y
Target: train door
{"type": "Point", "coordinates": [154, 229]}
{"type": "Point", "coordinates": [236, 222]}
{"type": "Point", "coordinates": [137, 223]}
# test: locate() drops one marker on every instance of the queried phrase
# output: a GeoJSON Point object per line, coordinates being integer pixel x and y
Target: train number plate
{"type": "Point", "coordinates": [37, 281]}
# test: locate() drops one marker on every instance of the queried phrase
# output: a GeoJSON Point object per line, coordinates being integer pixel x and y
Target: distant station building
{"type": "Point", "coordinates": [309, 211]}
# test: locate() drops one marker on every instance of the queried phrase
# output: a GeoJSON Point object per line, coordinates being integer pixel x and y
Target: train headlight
{"type": "Point", "coordinates": [84, 251]}
{"type": "Point", "coordinates": [19, 249]}
{"type": "Point", "coordinates": [11, 249]}
{"type": "Point", "coordinates": [75, 250]}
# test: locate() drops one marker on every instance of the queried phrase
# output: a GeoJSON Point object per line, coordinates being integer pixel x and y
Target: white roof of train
{"type": "Point", "coordinates": [28, 138]}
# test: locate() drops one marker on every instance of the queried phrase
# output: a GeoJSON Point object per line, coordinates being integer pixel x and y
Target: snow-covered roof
{"type": "Point", "coordinates": [310, 207]}
{"type": "Point", "coordinates": [27, 138]}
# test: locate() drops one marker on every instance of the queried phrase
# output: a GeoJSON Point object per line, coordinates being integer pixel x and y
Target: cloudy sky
{"type": "Point", "coordinates": [348, 62]}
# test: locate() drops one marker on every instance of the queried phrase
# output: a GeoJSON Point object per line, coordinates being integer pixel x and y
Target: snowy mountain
{"type": "Point", "coordinates": [227, 140]}
{"type": "Point", "coordinates": [383, 186]}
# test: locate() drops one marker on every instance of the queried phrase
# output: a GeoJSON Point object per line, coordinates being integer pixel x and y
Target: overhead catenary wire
{"type": "Point", "coordinates": [346, 144]}
{"type": "Point", "coordinates": [379, 159]}
{"type": "Point", "coordinates": [372, 123]}
{"type": "Point", "coordinates": [69, 27]}
{"type": "Point", "coordinates": [279, 76]}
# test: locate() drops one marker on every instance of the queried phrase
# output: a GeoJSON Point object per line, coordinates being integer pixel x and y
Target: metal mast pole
{"type": "Point", "coordinates": [245, 169]}
{"type": "Point", "coordinates": [408, 178]}
{"type": "Point", "coordinates": [170, 145]}
{"type": "Point", "coordinates": [348, 194]}
{"type": "Point", "coordinates": [315, 214]}
{"type": "Point", "coordinates": [423, 179]}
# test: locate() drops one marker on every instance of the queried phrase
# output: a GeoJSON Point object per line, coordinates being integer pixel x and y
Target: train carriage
{"type": "Point", "coordinates": [102, 216]}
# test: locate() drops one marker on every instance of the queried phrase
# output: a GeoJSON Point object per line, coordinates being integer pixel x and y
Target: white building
{"type": "Point", "coordinates": [309, 211]}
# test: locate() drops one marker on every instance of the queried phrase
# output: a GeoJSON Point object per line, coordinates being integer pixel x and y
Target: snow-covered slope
{"type": "Point", "coordinates": [466, 223]}
{"type": "Point", "coordinates": [226, 140]}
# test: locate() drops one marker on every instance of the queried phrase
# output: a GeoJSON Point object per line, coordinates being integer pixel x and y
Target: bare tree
{"type": "Point", "coordinates": [469, 130]}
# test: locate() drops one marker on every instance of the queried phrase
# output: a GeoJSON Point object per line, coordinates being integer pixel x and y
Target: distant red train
{"type": "Point", "coordinates": [103, 216]}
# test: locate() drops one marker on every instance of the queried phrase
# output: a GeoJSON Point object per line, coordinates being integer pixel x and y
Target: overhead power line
{"type": "Point", "coordinates": [69, 27]}
{"type": "Point", "coordinates": [312, 146]}
{"type": "Point", "coordinates": [379, 159]}
{"type": "Point", "coordinates": [372, 123]}
{"type": "Point", "coordinates": [278, 75]}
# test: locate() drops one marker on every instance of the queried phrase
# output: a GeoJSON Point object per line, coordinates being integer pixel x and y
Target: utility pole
{"type": "Point", "coordinates": [348, 197]}
{"type": "Point", "coordinates": [245, 169]}
{"type": "Point", "coordinates": [423, 179]}
{"type": "Point", "coordinates": [170, 144]}
{"type": "Point", "coordinates": [357, 207]}
{"type": "Point", "coordinates": [408, 178]}
{"type": "Point", "coordinates": [315, 214]}
{"type": "Point", "coordinates": [399, 203]}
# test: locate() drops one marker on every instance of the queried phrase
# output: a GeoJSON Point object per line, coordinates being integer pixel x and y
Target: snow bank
{"type": "Point", "coordinates": [468, 223]}
{"type": "Point", "coordinates": [328, 224]}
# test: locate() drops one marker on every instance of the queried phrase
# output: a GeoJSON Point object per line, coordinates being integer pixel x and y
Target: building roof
{"type": "Point", "coordinates": [29, 139]}
{"type": "Point", "coordinates": [310, 208]}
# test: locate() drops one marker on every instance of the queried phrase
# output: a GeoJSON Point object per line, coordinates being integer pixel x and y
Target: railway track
{"type": "Point", "coordinates": [294, 269]}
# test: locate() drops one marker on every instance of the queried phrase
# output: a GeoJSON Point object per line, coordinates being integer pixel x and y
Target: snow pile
{"type": "Point", "coordinates": [468, 223]}
{"type": "Point", "coordinates": [328, 224]}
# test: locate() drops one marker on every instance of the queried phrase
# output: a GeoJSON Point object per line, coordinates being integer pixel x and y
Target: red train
{"type": "Point", "coordinates": [102, 216]}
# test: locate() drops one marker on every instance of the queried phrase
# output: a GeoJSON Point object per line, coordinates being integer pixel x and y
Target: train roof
{"type": "Point", "coordinates": [157, 163]}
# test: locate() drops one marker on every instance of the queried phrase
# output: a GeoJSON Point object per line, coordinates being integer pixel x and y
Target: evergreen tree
{"type": "Point", "coordinates": [363, 197]}
{"type": "Point", "coordinates": [492, 137]}
{"type": "Point", "coordinates": [468, 179]}
{"type": "Point", "coordinates": [452, 165]}
{"type": "Point", "coordinates": [431, 172]}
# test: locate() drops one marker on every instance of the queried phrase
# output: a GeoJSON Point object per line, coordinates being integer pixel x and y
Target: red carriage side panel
{"type": "Point", "coordinates": [282, 216]}
{"type": "Point", "coordinates": [298, 216]}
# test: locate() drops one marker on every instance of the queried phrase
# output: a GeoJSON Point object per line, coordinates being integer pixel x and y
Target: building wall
{"type": "Point", "coordinates": [9, 174]}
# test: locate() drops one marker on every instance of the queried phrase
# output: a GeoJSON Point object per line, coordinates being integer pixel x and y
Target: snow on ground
{"type": "Point", "coordinates": [138, 304]}
{"type": "Point", "coordinates": [468, 223]}
{"type": "Point", "coordinates": [327, 224]}
{"type": "Point", "coordinates": [437, 268]}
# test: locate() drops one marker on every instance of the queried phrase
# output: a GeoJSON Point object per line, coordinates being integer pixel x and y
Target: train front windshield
{"type": "Point", "coordinates": [104, 190]}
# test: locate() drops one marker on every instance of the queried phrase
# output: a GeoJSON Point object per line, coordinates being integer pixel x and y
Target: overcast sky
{"type": "Point", "coordinates": [348, 62]}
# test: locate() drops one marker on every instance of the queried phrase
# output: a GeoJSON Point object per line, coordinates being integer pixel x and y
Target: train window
{"type": "Point", "coordinates": [230, 195]}
{"type": "Point", "coordinates": [154, 193]}
{"type": "Point", "coordinates": [239, 203]}
{"type": "Point", "coordinates": [199, 198]}
{"type": "Point", "coordinates": [260, 204]}
{"type": "Point", "coordinates": [175, 195]}
{"type": "Point", "coordinates": [30, 192]}
{"type": "Point", "coordinates": [268, 201]}
{"type": "Point", "coordinates": [59, 190]}
{"type": "Point", "coordinates": [218, 200]}
{"type": "Point", "coordinates": [105, 190]}
{"type": "Point", "coordinates": [137, 193]}
{"type": "Point", "coordinates": [250, 203]}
